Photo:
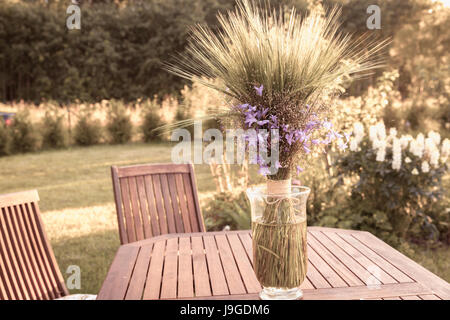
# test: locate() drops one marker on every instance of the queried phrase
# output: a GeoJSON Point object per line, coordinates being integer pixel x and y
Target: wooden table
{"type": "Point", "coordinates": [343, 264]}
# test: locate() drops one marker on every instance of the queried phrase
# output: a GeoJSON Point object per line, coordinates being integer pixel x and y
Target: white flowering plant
{"type": "Point", "coordinates": [398, 180]}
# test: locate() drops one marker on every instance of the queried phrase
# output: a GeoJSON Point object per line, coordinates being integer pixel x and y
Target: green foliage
{"type": "Point", "coordinates": [5, 139]}
{"type": "Point", "coordinates": [389, 202]}
{"type": "Point", "coordinates": [119, 126]}
{"type": "Point", "coordinates": [228, 209]}
{"type": "Point", "coordinates": [53, 130]}
{"type": "Point", "coordinates": [87, 131]}
{"type": "Point", "coordinates": [117, 53]}
{"type": "Point", "coordinates": [24, 136]}
{"type": "Point", "coordinates": [151, 121]}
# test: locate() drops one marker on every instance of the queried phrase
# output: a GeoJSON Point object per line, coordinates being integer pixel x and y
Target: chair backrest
{"type": "Point", "coordinates": [28, 268]}
{"type": "Point", "coordinates": [156, 199]}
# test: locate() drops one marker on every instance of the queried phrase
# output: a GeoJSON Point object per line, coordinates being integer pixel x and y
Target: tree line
{"type": "Point", "coordinates": [118, 52]}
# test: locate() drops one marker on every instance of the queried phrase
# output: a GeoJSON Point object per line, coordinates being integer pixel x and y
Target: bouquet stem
{"type": "Point", "coordinates": [279, 239]}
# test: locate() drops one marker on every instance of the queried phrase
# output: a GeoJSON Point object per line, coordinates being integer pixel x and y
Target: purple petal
{"type": "Point", "coordinates": [262, 122]}
{"type": "Point", "coordinates": [259, 90]}
{"type": "Point", "coordinates": [306, 148]}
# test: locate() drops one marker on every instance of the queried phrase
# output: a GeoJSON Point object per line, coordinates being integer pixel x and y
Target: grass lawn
{"type": "Point", "coordinates": [77, 203]}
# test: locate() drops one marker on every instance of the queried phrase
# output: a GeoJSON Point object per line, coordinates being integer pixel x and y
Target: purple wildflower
{"type": "Point", "coordinates": [259, 90]}
{"type": "Point", "coordinates": [327, 125]}
{"type": "Point", "coordinates": [310, 125]}
{"type": "Point", "coordinates": [262, 122]}
{"type": "Point", "coordinates": [250, 119]}
{"type": "Point", "coordinates": [342, 146]}
{"type": "Point", "coordinates": [300, 135]}
{"type": "Point", "coordinates": [306, 148]}
{"type": "Point", "coordinates": [299, 170]}
{"type": "Point", "coordinates": [290, 138]}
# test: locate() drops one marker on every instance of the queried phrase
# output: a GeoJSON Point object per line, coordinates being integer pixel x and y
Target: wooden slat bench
{"type": "Point", "coordinates": [343, 264]}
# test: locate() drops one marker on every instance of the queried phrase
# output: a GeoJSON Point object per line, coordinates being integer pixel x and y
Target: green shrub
{"type": "Point", "coordinates": [151, 121]}
{"type": "Point", "coordinates": [228, 209]}
{"type": "Point", "coordinates": [24, 136]}
{"type": "Point", "coordinates": [119, 126]}
{"type": "Point", "coordinates": [87, 131]}
{"type": "Point", "coordinates": [53, 131]}
{"type": "Point", "coordinates": [5, 139]}
{"type": "Point", "coordinates": [397, 199]}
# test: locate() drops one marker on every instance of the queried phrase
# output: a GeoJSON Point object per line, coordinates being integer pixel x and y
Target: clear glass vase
{"type": "Point", "coordinates": [279, 240]}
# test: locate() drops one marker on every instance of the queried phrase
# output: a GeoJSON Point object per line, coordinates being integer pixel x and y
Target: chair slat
{"type": "Point", "coordinates": [42, 250]}
{"type": "Point", "coordinates": [183, 203]}
{"type": "Point", "coordinates": [160, 204]}
{"type": "Point", "coordinates": [191, 206]}
{"type": "Point", "coordinates": [175, 204]}
{"type": "Point", "coordinates": [156, 199]}
{"type": "Point", "coordinates": [135, 208]}
{"type": "Point", "coordinates": [167, 204]}
{"type": "Point", "coordinates": [43, 283]}
{"type": "Point", "coordinates": [131, 233]}
{"type": "Point", "coordinates": [144, 207]}
{"type": "Point", "coordinates": [152, 205]}
{"type": "Point", "coordinates": [28, 268]}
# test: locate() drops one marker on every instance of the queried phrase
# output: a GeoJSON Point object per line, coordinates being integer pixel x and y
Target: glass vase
{"type": "Point", "coordinates": [279, 239]}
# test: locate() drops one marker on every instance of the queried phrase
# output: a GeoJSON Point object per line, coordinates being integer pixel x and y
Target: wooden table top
{"type": "Point", "coordinates": [343, 264]}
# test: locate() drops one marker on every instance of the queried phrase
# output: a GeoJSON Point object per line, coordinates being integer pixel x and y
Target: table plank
{"type": "Point", "coordinates": [347, 293]}
{"type": "Point", "coordinates": [377, 259]}
{"type": "Point", "coordinates": [408, 266]}
{"type": "Point", "coordinates": [153, 283]}
{"type": "Point", "coordinates": [429, 297]}
{"type": "Point", "coordinates": [340, 268]}
{"type": "Point", "coordinates": [314, 276]}
{"type": "Point", "coordinates": [245, 268]}
{"type": "Point", "coordinates": [116, 282]}
{"type": "Point", "coordinates": [247, 243]}
{"type": "Point", "coordinates": [185, 278]}
{"type": "Point", "coordinates": [217, 277]}
{"type": "Point", "coordinates": [201, 276]}
{"type": "Point", "coordinates": [380, 274]}
{"type": "Point", "coordinates": [137, 281]}
{"type": "Point", "coordinates": [324, 269]}
{"type": "Point", "coordinates": [170, 273]}
{"type": "Point", "coordinates": [232, 275]}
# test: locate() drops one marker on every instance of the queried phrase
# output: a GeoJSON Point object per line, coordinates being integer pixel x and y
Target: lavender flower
{"type": "Point", "coordinates": [290, 138]}
{"type": "Point", "coordinates": [250, 119]}
{"type": "Point", "coordinates": [259, 90]}
{"type": "Point", "coordinates": [306, 148]}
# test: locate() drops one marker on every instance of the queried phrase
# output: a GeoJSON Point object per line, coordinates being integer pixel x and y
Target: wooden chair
{"type": "Point", "coordinates": [28, 268]}
{"type": "Point", "coordinates": [156, 199]}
